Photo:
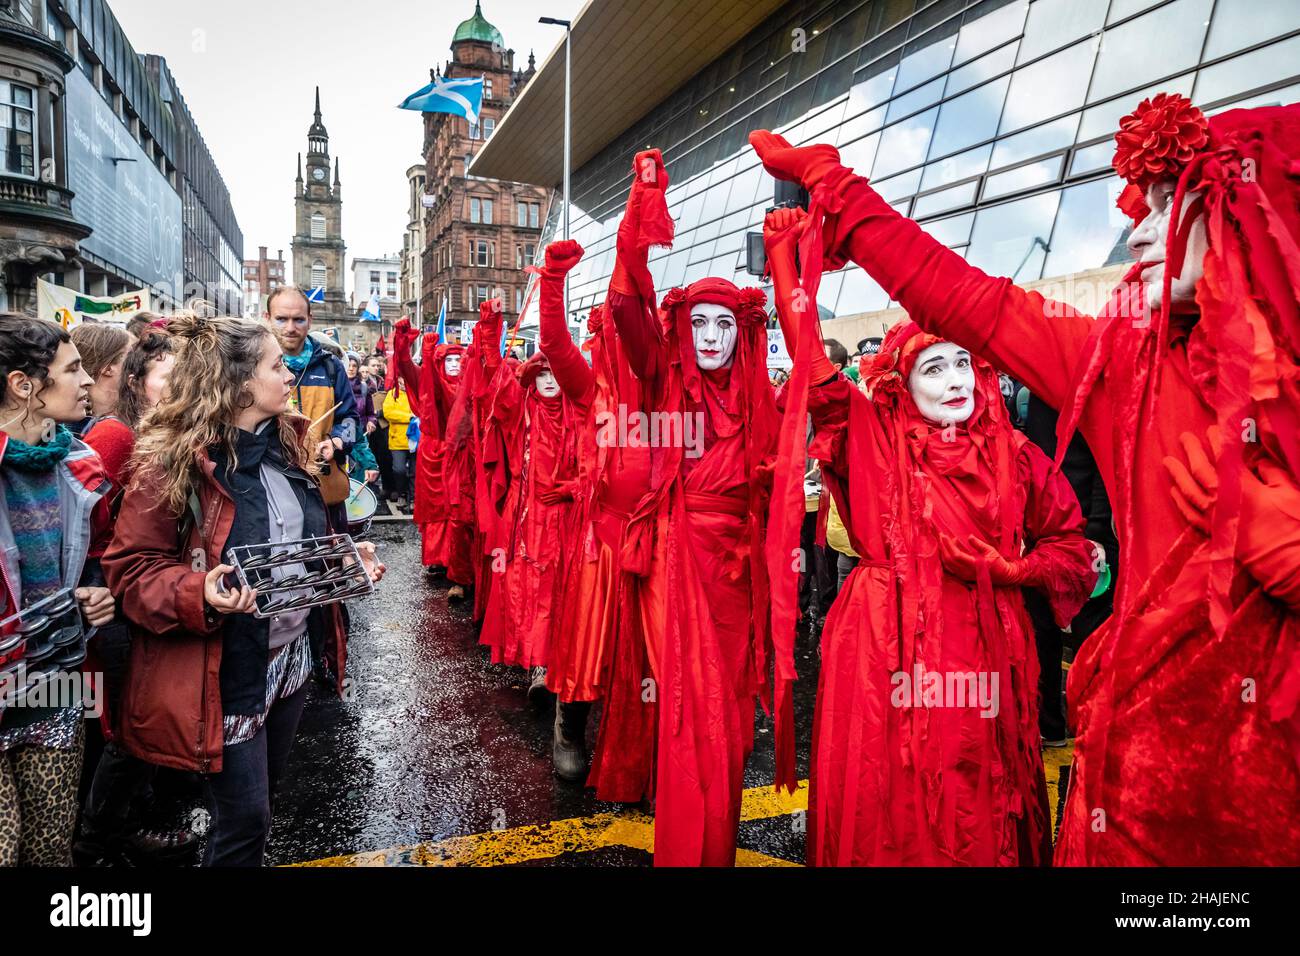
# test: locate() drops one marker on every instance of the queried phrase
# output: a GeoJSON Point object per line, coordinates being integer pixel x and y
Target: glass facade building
{"type": "Point", "coordinates": [991, 122]}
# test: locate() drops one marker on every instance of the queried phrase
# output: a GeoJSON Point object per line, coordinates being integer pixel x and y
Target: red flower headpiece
{"type": "Point", "coordinates": [752, 306]}
{"type": "Point", "coordinates": [1159, 138]}
{"type": "Point", "coordinates": [673, 298]}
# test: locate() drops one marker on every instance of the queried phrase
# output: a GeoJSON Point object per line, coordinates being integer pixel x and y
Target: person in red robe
{"type": "Point", "coordinates": [703, 359]}
{"type": "Point", "coordinates": [467, 493]}
{"type": "Point", "coordinates": [598, 650]}
{"type": "Point", "coordinates": [1187, 702]}
{"type": "Point", "coordinates": [925, 742]}
{"type": "Point", "coordinates": [441, 510]}
{"type": "Point", "coordinates": [530, 462]}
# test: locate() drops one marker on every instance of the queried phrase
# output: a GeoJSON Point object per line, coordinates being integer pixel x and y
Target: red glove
{"type": "Point", "coordinates": [403, 334]}
{"type": "Point", "coordinates": [562, 256]}
{"type": "Point", "coordinates": [1196, 484]}
{"type": "Point", "coordinates": [645, 223]}
{"type": "Point", "coordinates": [781, 232]}
{"type": "Point", "coordinates": [963, 560]}
{"type": "Point", "coordinates": [560, 492]}
{"type": "Point", "coordinates": [807, 165]}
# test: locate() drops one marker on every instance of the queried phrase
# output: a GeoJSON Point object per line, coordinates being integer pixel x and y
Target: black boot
{"type": "Point", "coordinates": [569, 748]}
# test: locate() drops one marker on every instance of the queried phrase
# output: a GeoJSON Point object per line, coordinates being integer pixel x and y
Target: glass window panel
{"type": "Point", "coordinates": [986, 67]}
{"type": "Point", "coordinates": [1247, 71]}
{"type": "Point", "coordinates": [1051, 86]}
{"type": "Point", "coordinates": [1023, 177]}
{"type": "Point", "coordinates": [1054, 23]}
{"type": "Point", "coordinates": [860, 156]}
{"type": "Point", "coordinates": [1097, 156]}
{"type": "Point", "coordinates": [860, 293]}
{"type": "Point", "coordinates": [1003, 240]}
{"type": "Point", "coordinates": [954, 198]}
{"type": "Point", "coordinates": [872, 87]}
{"type": "Point", "coordinates": [1103, 120]}
{"type": "Point", "coordinates": [829, 291]}
{"type": "Point", "coordinates": [859, 126]}
{"type": "Point", "coordinates": [954, 168]}
{"type": "Point", "coordinates": [969, 118]}
{"type": "Point", "coordinates": [1242, 23]}
{"type": "Point", "coordinates": [1156, 44]}
{"type": "Point", "coordinates": [953, 231]}
{"type": "Point", "coordinates": [1090, 231]}
{"type": "Point", "coordinates": [1119, 9]}
{"type": "Point", "coordinates": [985, 30]}
{"type": "Point", "coordinates": [922, 63]}
{"type": "Point", "coordinates": [904, 144]}
{"type": "Point", "coordinates": [1288, 94]}
{"type": "Point", "coordinates": [932, 92]}
{"type": "Point", "coordinates": [1057, 134]}
{"type": "Point", "coordinates": [899, 186]}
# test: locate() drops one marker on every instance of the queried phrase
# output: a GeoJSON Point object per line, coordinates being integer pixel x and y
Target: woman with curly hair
{"type": "Point", "coordinates": [52, 514]}
{"type": "Point", "coordinates": [222, 462]}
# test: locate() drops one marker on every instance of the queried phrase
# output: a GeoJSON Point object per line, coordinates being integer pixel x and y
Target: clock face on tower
{"type": "Point", "coordinates": [318, 174]}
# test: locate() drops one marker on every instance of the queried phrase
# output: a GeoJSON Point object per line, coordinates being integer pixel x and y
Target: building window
{"type": "Point", "coordinates": [524, 254]}
{"type": "Point", "coordinates": [489, 125]}
{"type": "Point", "coordinates": [18, 129]}
{"type": "Point", "coordinates": [487, 88]}
{"type": "Point", "coordinates": [482, 253]}
{"type": "Point", "coordinates": [528, 215]}
{"type": "Point", "coordinates": [318, 275]}
{"type": "Point", "coordinates": [317, 226]}
{"type": "Point", "coordinates": [519, 300]}
{"type": "Point", "coordinates": [480, 210]}
{"type": "Point", "coordinates": [473, 130]}
{"type": "Point", "coordinates": [482, 294]}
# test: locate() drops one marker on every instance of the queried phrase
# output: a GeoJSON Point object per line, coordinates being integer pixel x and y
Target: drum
{"type": "Point", "coordinates": [361, 506]}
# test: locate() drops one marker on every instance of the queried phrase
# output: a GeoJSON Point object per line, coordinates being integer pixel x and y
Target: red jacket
{"type": "Point", "coordinates": [171, 704]}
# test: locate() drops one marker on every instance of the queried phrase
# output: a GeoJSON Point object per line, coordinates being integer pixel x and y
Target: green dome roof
{"type": "Point", "coordinates": [476, 28]}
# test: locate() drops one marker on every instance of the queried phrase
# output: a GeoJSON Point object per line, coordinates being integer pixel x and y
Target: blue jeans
{"type": "Point", "coordinates": [241, 796]}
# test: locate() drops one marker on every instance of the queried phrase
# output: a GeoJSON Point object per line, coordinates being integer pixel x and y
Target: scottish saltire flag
{"type": "Point", "coordinates": [442, 323]}
{"type": "Point", "coordinates": [317, 294]}
{"type": "Point", "coordinates": [461, 96]}
{"type": "Point", "coordinates": [505, 333]}
{"type": "Point", "coordinates": [371, 311]}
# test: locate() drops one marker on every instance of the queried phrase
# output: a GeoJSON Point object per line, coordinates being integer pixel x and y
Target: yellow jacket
{"type": "Point", "coordinates": [397, 410]}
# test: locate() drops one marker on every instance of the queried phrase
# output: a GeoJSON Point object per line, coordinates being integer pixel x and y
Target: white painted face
{"type": "Point", "coordinates": [546, 385]}
{"type": "Point", "coordinates": [451, 365]}
{"type": "Point", "coordinates": [714, 327]}
{"type": "Point", "coordinates": [1150, 239]}
{"type": "Point", "coordinates": [942, 384]}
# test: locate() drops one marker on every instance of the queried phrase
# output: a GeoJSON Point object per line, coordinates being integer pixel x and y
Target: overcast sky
{"type": "Point", "coordinates": [248, 70]}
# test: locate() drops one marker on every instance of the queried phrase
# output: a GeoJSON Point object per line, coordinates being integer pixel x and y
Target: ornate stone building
{"type": "Point", "coordinates": [413, 243]}
{"type": "Point", "coordinates": [479, 233]}
{"type": "Point", "coordinates": [38, 232]}
{"type": "Point", "coordinates": [318, 251]}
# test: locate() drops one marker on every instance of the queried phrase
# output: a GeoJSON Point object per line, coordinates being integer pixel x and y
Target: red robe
{"type": "Point", "coordinates": [530, 463]}
{"type": "Point", "coordinates": [599, 647]}
{"type": "Point", "coordinates": [903, 774]}
{"type": "Point", "coordinates": [466, 427]}
{"type": "Point", "coordinates": [442, 511]}
{"type": "Point", "coordinates": [1189, 734]}
{"type": "Point", "coordinates": [710, 608]}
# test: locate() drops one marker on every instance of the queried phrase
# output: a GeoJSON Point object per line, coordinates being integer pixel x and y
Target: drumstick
{"type": "Point", "coordinates": [325, 416]}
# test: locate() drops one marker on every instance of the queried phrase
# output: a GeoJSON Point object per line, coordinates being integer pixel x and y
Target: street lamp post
{"type": "Point", "coordinates": [568, 34]}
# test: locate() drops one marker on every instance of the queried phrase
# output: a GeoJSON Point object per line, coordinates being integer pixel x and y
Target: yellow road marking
{"type": "Point", "coordinates": [625, 828]}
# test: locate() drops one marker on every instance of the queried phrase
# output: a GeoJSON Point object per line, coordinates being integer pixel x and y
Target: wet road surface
{"type": "Point", "coordinates": [435, 755]}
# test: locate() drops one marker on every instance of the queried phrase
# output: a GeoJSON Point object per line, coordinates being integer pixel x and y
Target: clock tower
{"type": "Point", "coordinates": [317, 249]}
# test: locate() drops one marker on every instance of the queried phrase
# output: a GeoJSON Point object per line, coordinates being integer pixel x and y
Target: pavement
{"type": "Point", "coordinates": [435, 758]}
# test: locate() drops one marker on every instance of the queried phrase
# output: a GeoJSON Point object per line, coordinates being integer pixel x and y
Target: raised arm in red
{"type": "Point", "coordinates": [632, 302]}
{"type": "Point", "coordinates": [568, 366]}
{"type": "Point", "coordinates": [1020, 332]}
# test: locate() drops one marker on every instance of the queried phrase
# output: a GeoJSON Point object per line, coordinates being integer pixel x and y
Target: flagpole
{"type": "Point", "coordinates": [568, 96]}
